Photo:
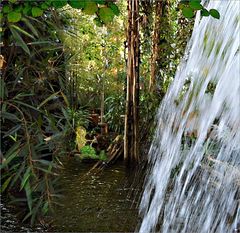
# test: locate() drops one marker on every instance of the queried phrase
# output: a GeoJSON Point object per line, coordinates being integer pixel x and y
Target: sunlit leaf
{"type": "Point", "coordinates": [36, 11]}
{"type": "Point", "coordinates": [90, 8]}
{"type": "Point", "coordinates": [14, 17]}
{"type": "Point", "coordinates": [188, 12]}
{"type": "Point", "coordinates": [106, 14]}
{"type": "Point", "coordinates": [196, 5]}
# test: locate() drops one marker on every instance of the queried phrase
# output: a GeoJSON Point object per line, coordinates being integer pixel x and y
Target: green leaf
{"type": "Point", "coordinates": [12, 130]}
{"type": "Point", "coordinates": [6, 9]}
{"type": "Point", "coordinates": [44, 6]}
{"type": "Point", "coordinates": [106, 14]}
{"type": "Point", "coordinates": [101, 2]}
{"type": "Point", "coordinates": [188, 12]}
{"type": "Point", "coordinates": [90, 8]}
{"type": "Point", "coordinates": [114, 8]}
{"type": "Point", "coordinates": [18, 8]}
{"type": "Point", "coordinates": [45, 208]}
{"type": "Point", "coordinates": [19, 40]}
{"type": "Point", "coordinates": [9, 116]}
{"type": "Point", "coordinates": [59, 4]}
{"type": "Point", "coordinates": [36, 11]}
{"type": "Point", "coordinates": [3, 90]}
{"type": "Point", "coordinates": [78, 4]}
{"type": "Point", "coordinates": [204, 12]}
{"type": "Point", "coordinates": [26, 176]}
{"type": "Point", "coordinates": [14, 17]}
{"type": "Point", "coordinates": [27, 10]}
{"type": "Point", "coordinates": [52, 96]}
{"type": "Point", "coordinates": [214, 13]}
{"type": "Point", "coordinates": [29, 195]}
{"type": "Point", "coordinates": [196, 5]}
{"type": "Point", "coordinates": [22, 31]}
{"type": "Point", "coordinates": [6, 183]}
{"type": "Point", "coordinates": [30, 26]}
{"type": "Point", "coordinates": [98, 22]}
{"type": "Point", "coordinates": [10, 155]}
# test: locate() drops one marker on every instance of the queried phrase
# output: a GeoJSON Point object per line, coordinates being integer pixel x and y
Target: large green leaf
{"type": "Point", "coordinates": [36, 11]}
{"type": "Point", "coordinates": [14, 17]}
{"type": "Point", "coordinates": [90, 8]}
{"type": "Point", "coordinates": [188, 12]}
{"type": "Point", "coordinates": [78, 4]}
{"type": "Point", "coordinates": [196, 5]}
{"type": "Point", "coordinates": [106, 14]}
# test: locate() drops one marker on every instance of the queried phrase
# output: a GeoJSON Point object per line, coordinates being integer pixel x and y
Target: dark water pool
{"type": "Point", "coordinates": [102, 202]}
{"type": "Point", "coordinates": [91, 202]}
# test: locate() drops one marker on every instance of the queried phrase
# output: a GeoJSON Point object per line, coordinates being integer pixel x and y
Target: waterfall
{"type": "Point", "coordinates": [193, 182]}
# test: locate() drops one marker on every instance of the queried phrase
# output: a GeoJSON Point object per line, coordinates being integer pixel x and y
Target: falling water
{"type": "Point", "coordinates": [193, 184]}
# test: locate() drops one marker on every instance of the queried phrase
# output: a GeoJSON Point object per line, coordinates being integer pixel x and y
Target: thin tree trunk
{"type": "Point", "coordinates": [156, 53]}
{"type": "Point", "coordinates": [131, 134]}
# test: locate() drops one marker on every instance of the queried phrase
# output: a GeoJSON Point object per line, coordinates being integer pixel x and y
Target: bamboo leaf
{"type": "Point", "coordinates": [9, 116]}
{"type": "Point", "coordinates": [19, 40]}
{"type": "Point", "coordinates": [10, 155]}
{"type": "Point", "coordinates": [28, 191]}
{"type": "Point", "coordinates": [6, 183]}
{"type": "Point", "coordinates": [22, 31]}
{"type": "Point", "coordinates": [25, 179]}
{"type": "Point", "coordinates": [12, 131]}
{"type": "Point", "coordinates": [48, 99]}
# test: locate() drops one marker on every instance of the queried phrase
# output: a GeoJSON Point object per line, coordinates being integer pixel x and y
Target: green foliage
{"type": "Point", "coordinates": [189, 7]}
{"type": "Point", "coordinates": [33, 126]}
{"type": "Point", "coordinates": [88, 152]}
{"type": "Point", "coordinates": [102, 156]}
{"type": "Point", "coordinates": [15, 11]}
{"type": "Point", "coordinates": [115, 107]}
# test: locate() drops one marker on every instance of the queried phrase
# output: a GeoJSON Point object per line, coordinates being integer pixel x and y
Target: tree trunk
{"type": "Point", "coordinates": [156, 49]}
{"type": "Point", "coordinates": [131, 137]}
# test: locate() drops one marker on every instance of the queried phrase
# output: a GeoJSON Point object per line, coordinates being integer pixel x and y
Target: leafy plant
{"type": "Point", "coordinates": [115, 106]}
{"type": "Point", "coordinates": [189, 7]}
{"type": "Point", "coordinates": [88, 152]}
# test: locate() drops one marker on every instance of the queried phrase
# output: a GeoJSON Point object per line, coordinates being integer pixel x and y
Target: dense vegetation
{"type": "Point", "coordinates": [63, 85]}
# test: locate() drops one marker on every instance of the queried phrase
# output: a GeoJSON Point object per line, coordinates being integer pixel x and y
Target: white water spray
{"type": "Point", "coordinates": [193, 185]}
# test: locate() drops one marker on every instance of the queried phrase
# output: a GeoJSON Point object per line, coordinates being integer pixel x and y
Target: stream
{"type": "Point", "coordinates": [102, 202]}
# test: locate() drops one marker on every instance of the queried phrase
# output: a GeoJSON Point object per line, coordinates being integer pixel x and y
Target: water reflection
{"type": "Point", "coordinates": [102, 202]}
